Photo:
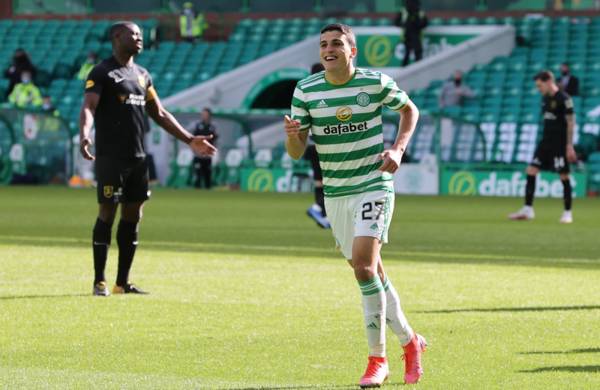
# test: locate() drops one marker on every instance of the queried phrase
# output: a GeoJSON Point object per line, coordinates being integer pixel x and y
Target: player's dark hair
{"type": "Point", "coordinates": [344, 29]}
{"type": "Point", "coordinates": [207, 110]}
{"type": "Point", "coordinates": [118, 27]}
{"type": "Point", "coordinates": [544, 75]}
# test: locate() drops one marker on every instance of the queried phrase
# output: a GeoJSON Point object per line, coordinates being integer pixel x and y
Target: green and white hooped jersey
{"type": "Point", "coordinates": [346, 126]}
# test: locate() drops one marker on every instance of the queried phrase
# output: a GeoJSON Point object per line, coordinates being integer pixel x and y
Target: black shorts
{"type": "Point", "coordinates": [550, 158]}
{"type": "Point", "coordinates": [122, 181]}
{"type": "Point", "coordinates": [311, 155]}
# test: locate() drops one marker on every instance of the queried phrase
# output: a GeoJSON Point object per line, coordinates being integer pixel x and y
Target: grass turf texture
{"type": "Point", "coordinates": [246, 292]}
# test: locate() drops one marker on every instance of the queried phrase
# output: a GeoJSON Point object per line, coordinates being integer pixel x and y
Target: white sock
{"type": "Point", "coordinates": [373, 301]}
{"type": "Point", "coordinates": [395, 317]}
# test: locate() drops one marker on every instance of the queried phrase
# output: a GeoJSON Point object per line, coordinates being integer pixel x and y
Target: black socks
{"type": "Point", "coordinates": [100, 244]}
{"type": "Point", "coordinates": [127, 239]}
{"type": "Point", "coordinates": [529, 190]}
{"type": "Point", "coordinates": [320, 199]}
{"type": "Point", "coordinates": [567, 194]}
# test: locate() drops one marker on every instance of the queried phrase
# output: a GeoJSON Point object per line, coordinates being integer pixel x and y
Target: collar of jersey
{"type": "Point", "coordinates": [341, 85]}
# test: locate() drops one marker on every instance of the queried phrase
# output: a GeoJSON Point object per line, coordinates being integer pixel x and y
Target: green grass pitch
{"type": "Point", "coordinates": [247, 292]}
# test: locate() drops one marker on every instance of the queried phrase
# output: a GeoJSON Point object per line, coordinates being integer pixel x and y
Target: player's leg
{"type": "Point", "coordinates": [418, 49]}
{"type": "Point", "coordinates": [205, 167]}
{"type": "Point", "coordinates": [395, 317]}
{"type": "Point", "coordinates": [407, 50]}
{"type": "Point", "coordinates": [317, 211]}
{"type": "Point", "coordinates": [108, 190]}
{"type": "Point", "coordinates": [135, 193]}
{"type": "Point", "coordinates": [526, 212]}
{"type": "Point", "coordinates": [365, 255]}
{"type": "Point", "coordinates": [341, 213]}
{"type": "Point", "coordinates": [567, 215]}
{"type": "Point", "coordinates": [372, 216]}
{"type": "Point", "coordinates": [197, 172]}
{"type": "Point", "coordinates": [127, 240]}
{"type": "Point", "coordinates": [101, 240]}
{"type": "Point", "coordinates": [532, 172]}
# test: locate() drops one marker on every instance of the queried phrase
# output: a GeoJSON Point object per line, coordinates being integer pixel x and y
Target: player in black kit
{"type": "Point", "coordinates": [118, 93]}
{"type": "Point", "coordinates": [555, 150]}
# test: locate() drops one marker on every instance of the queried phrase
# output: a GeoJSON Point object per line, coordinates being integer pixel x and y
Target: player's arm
{"type": "Point", "coordinates": [167, 121]}
{"type": "Point", "coordinates": [570, 119]}
{"type": "Point", "coordinates": [86, 121]}
{"type": "Point", "coordinates": [295, 144]}
{"type": "Point", "coordinates": [409, 115]}
{"type": "Point", "coordinates": [571, 155]}
{"type": "Point", "coordinates": [297, 128]}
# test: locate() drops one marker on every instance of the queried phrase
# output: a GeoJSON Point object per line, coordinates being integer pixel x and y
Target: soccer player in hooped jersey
{"type": "Point", "coordinates": [341, 107]}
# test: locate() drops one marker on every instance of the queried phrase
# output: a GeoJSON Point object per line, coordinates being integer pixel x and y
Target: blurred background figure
{"type": "Point", "coordinates": [48, 105]}
{"type": "Point", "coordinates": [414, 21]}
{"type": "Point", "coordinates": [25, 94]}
{"type": "Point", "coordinates": [454, 91]}
{"type": "Point", "coordinates": [86, 67]}
{"type": "Point", "coordinates": [567, 82]}
{"type": "Point", "coordinates": [203, 164]}
{"type": "Point", "coordinates": [191, 24]}
{"type": "Point", "coordinates": [20, 63]}
{"type": "Point", "coordinates": [317, 210]}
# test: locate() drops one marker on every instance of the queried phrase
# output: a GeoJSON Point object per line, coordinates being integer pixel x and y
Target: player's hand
{"type": "Point", "coordinates": [201, 146]}
{"type": "Point", "coordinates": [292, 127]}
{"type": "Point", "coordinates": [571, 155]}
{"type": "Point", "coordinates": [391, 160]}
{"type": "Point", "coordinates": [84, 145]}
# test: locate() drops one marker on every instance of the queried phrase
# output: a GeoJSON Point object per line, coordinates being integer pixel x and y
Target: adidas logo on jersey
{"type": "Point", "coordinates": [322, 104]}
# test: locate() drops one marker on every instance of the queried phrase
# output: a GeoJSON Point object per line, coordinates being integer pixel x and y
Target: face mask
{"type": "Point", "coordinates": [457, 82]}
{"type": "Point", "coordinates": [564, 72]}
{"type": "Point", "coordinates": [25, 80]}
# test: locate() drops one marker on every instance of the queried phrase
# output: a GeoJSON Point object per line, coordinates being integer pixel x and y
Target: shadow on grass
{"type": "Point", "coordinates": [580, 350]}
{"type": "Point", "coordinates": [15, 297]}
{"type": "Point", "coordinates": [271, 247]}
{"type": "Point", "coordinates": [563, 368]}
{"type": "Point", "coordinates": [513, 309]}
{"type": "Point", "coordinates": [301, 387]}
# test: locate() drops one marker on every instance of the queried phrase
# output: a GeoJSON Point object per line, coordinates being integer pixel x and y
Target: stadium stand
{"type": "Point", "coordinates": [504, 114]}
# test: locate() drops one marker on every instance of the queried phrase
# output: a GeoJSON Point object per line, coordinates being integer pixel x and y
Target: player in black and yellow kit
{"type": "Point", "coordinates": [555, 150]}
{"type": "Point", "coordinates": [118, 93]}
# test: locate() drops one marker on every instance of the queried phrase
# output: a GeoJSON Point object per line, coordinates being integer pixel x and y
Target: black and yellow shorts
{"type": "Point", "coordinates": [122, 181]}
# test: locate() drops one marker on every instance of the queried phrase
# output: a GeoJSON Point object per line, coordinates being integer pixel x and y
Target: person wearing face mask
{"type": "Point", "coordinates": [567, 82]}
{"type": "Point", "coordinates": [20, 63]}
{"type": "Point", "coordinates": [454, 91]}
{"type": "Point", "coordinates": [25, 94]}
{"type": "Point", "coordinates": [48, 105]}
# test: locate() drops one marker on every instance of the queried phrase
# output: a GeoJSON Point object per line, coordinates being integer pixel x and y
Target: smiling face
{"type": "Point", "coordinates": [128, 38]}
{"type": "Point", "coordinates": [336, 51]}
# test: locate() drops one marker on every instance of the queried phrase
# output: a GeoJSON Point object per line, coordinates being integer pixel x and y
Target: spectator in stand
{"type": "Point", "coordinates": [567, 82]}
{"type": "Point", "coordinates": [25, 94]}
{"type": "Point", "coordinates": [20, 63]}
{"type": "Point", "coordinates": [414, 21]}
{"type": "Point", "coordinates": [88, 65]}
{"type": "Point", "coordinates": [191, 24]}
{"type": "Point", "coordinates": [454, 91]}
{"type": "Point", "coordinates": [48, 105]}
